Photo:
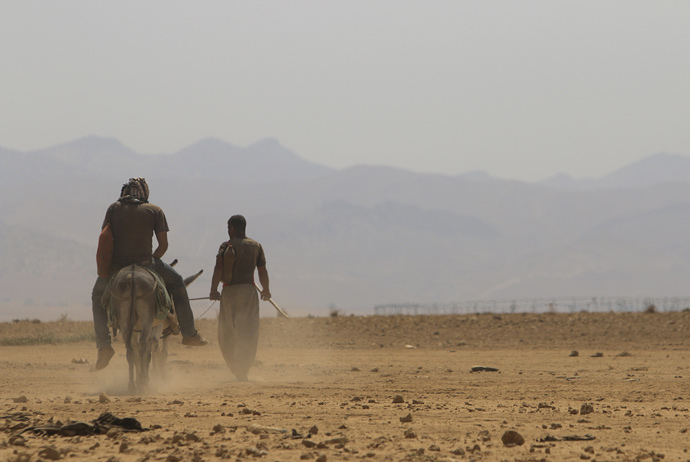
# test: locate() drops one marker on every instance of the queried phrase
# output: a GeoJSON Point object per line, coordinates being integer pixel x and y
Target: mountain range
{"type": "Point", "coordinates": [346, 239]}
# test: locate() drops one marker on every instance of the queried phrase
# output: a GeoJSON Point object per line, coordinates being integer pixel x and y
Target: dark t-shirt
{"type": "Point", "coordinates": [133, 228]}
{"type": "Point", "coordinates": [248, 255]}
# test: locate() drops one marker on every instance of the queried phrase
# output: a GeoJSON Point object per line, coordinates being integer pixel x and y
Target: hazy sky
{"type": "Point", "coordinates": [521, 89]}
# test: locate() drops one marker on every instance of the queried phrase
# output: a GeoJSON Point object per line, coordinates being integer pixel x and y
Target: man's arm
{"type": "Point", "coordinates": [215, 280]}
{"type": "Point", "coordinates": [263, 279]}
{"type": "Point", "coordinates": [162, 238]}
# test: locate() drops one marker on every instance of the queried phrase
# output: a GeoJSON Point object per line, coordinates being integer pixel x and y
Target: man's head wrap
{"type": "Point", "coordinates": [135, 191]}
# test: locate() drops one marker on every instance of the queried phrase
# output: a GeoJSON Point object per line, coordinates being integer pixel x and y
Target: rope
{"type": "Point", "coordinates": [199, 317]}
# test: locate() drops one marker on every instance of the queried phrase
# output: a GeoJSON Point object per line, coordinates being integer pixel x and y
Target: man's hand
{"type": "Point", "coordinates": [265, 294]}
{"type": "Point", "coordinates": [214, 295]}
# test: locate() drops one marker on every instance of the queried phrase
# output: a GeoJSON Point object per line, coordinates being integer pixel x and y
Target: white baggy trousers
{"type": "Point", "coordinates": [238, 327]}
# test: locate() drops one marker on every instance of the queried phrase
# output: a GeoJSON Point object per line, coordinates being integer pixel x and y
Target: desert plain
{"type": "Point", "coordinates": [554, 386]}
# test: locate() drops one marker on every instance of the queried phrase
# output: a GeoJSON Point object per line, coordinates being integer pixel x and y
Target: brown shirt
{"type": "Point", "coordinates": [248, 255]}
{"type": "Point", "coordinates": [133, 228]}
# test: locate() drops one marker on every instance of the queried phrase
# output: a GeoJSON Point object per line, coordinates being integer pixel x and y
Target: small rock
{"type": "Point", "coordinates": [434, 448]}
{"type": "Point", "coordinates": [458, 452]}
{"type": "Point", "coordinates": [20, 399]}
{"type": "Point", "coordinates": [597, 355]}
{"type": "Point", "coordinates": [483, 369]}
{"type": "Point", "coordinates": [314, 430]}
{"type": "Point", "coordinates": [322, 458]}
{"type": "Point", "coordinates": [574, 353]}
{"type": "Point", "coordinates": [124, 446]}
{"type": "Point", "coordinates": [586, 409]}
{"type": "Point", "coordinates": [410, 433]}
{"type": "Point", "coordinates": [397, 399]}
{"type": "Point", "coordinates": [49, 452]}
{"type": "Point", "coordinates": [114, 433]}
{"type": "Point", "coordinates": [512, 438]}
{"type": "Point", "coordinates": [485, 436]}
{"type": "Point", "coordinates": [17, 440]}
{"type": "Point", "coordinates": [308, 444]}
{"type": "Point", "coordinates": [406, 419]}
{"type": "Point", "coordinates": [103, 398]}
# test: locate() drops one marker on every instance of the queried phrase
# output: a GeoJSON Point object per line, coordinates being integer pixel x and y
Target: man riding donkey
{"type": "Point", "coordinates": [134, 221]}
{"type": "Point", "coordinates": [238, 320]}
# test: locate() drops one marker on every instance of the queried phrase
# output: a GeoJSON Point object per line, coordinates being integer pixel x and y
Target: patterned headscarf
{"type": "Point", "coordinates": [135, 191]}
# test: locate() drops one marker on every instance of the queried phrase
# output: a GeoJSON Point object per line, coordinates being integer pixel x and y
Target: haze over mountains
{"type": "Point", "coordinates": [350, 238]}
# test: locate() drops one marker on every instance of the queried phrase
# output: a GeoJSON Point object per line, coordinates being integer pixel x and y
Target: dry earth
{"type": "Point", "coordinates": [367, 388]}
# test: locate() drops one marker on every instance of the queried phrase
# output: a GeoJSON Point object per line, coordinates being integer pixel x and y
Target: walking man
{"type": "Point", "coordinates": [238, 321]}
{"type": "Point", "coordinates": [134, 221]}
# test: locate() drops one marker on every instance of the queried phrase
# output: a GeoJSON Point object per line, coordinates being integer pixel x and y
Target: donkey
{"type": "Point", "coordinates": [133, 292]}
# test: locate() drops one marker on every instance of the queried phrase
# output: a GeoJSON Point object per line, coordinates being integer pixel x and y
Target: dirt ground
{"type": "Point", "coordinates": [368, 388]}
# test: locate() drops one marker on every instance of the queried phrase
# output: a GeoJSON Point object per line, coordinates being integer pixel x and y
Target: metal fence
{"type": "Point", "coordinates": [539, 305]}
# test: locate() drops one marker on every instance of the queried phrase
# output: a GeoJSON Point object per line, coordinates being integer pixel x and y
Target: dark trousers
{"type": "Point", "coordinates": [174, 282]}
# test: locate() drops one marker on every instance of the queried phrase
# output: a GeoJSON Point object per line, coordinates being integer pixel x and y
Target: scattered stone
{"type": "Point", "coordinates": [173, 458]}
{"type": "Point", "coordinates": [512, 438]}
{"type": "Point", "coordinates": [574, 353]}
{"type": "Point", "coordinates": [256, 452]}
{"type": "Point", "coordinates": [406, 419]}
{"type": "Point", "coordinates": [256, 429]}
{"type": "Point", "coordinates": [586, 409]}
{"type": "Point", "coordinates": [20, 399]}
{"type": "Point", "coordinates": [114, 433]}
{"type": "Point", "coordinates": [218, 429]}
{"type": "Point", "coordinates": [322, 458]}
{"type": "Point", "coordinates": [49, 452]}
{"type": "Point", "coordinates": [177, 401]}
{"type": "Point", "coordinates": [410, 433]}
{"type": "Point", "coordinates": [398, 399]}
{"type": "Point", "coordinates": [458, 452]}
{"type": "Point", "coordinates": [484, 436]}
{"type": "Point", "coordinates": [376, 369]}
{"type": "Point", "coordinates": [103, 398]}
{"type": "Point", "coordinates": [67, 400]}
{"type": "Point", "coordinates": [623, 354]}
{"type": "Point", "coordinates": [416, 401]}
{"type": "Point", "coordinates": [17, 440]}
{"type": "Point", "coordinates": [597, 355]}
{"type": "Point", "coordinates": [483, 369]}
{"type": "Point", "coordinates": [314, 430]}
{"type": "Point", "coordinates": [337, 440]}
{"type": "Point", "coordinates": [434, 448]}
{"type": "Point", "coordinates": [123, 447]}
{"type": "Point", "coordinates": [308, 443]}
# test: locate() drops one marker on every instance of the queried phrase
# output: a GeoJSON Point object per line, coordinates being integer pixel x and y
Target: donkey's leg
{"type": "Point", "coordinates": [159, 351]}
{"type": "Point", "coordinates": [144, 354]}
{"type": "Point", "coordinates": [131, 356]}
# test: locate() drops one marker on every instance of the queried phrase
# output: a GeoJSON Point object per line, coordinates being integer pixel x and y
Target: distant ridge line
{"type": "Point", "coordinates": [540, 305]}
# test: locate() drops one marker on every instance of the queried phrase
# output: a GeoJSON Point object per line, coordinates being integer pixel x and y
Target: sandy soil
{"type": "Point", "coordinates": [328, 389]}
